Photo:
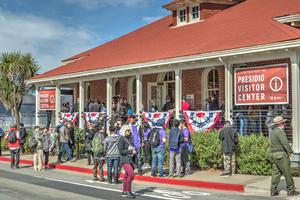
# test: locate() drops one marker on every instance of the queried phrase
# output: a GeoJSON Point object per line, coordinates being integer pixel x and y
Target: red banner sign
{"type": "Point", "coordinates": [47, 100]}
{"type": "Point", "coordinates": [261, 85]}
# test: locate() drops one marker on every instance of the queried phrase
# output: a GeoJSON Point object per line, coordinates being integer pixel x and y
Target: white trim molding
{"type": "Point", "coordinates": [148, 66]}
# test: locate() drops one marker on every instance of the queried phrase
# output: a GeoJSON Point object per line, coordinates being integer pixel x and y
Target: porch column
{"type": "Point", "coordinates": [57, 103]}
{"type": "Point", "coordinates": [295, 104]}
{"type": "Point", "coordinates": [228, 91]}
{"type": "Point", "coordinates": [81, 104]}
{"type": "Point", "coordinates": [139, 93]}
{"type": "Point", "coordinates": [108, 100]}
{"type": "Point", "coordinates": [37, 105]}
{"type": "Point", "coordinates": [178, 97]}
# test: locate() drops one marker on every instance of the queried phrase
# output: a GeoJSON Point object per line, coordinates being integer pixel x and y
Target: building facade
{"type": "Point", "coordinates": [196, 52]}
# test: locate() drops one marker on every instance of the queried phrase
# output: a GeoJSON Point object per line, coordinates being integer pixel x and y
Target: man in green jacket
{"type": "Point", "coordinates": [282, 153]}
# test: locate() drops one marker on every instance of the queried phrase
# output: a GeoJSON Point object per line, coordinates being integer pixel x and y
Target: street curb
{"type": "Point", "coordinates": [168, 181]}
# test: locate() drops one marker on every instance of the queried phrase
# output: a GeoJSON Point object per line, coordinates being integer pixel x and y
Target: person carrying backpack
{"type": "Point", "coordinates": [23, 135]}
{"type": "Point", "coordinates": [157, 141]}
{"type": "Point", "coordinates": [38, 149]}
{"type": "Point", "coordinates": [99, 154]}
{"type": "Point", "coordinates": [64, 146]}
{"type": "Point", "coordinates": [186, 148]}
{"type": "Point", "coordinates": [112, 155]}
{"type": "Point", "coordinates": [13, 138]}
{"type": "Point", "coordinates": [175, 142]}
{"type": "Point", "coordinates": [147, 146]}
{"type": "Point", "coordinates": [46, 146]}
{"type": "Point", "coordinates": [89, 135]}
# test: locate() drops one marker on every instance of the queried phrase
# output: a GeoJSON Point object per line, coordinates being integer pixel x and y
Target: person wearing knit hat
{"type": "Point", "coordinates": [282, 153]}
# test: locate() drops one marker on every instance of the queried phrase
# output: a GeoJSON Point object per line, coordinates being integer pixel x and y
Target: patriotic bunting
{"type": "Point", "coordinates": [158, 119]}
{"type": "Point", "coordinates": [69, 117]}
{"type": "Point", "coordinates": [93, 118]}
{"type": "Point", "coordinates": [201, 121]}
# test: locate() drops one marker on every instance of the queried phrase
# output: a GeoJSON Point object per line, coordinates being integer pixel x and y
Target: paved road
{"type": "Point", "coordinates": [26, 184]}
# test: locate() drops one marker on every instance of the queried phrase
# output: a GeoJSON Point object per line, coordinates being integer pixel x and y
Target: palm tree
{"type": "Point", "coordinates": [15, 69]}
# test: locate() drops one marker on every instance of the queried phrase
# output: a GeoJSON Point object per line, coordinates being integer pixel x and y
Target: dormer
{"type": "Point", "coordinates": [193, 11]}
{"type": "Point", "coordinates": [291, 20]}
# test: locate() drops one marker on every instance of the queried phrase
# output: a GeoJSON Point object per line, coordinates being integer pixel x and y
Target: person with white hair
{"type": "Point", "coordinates": [127, 152]}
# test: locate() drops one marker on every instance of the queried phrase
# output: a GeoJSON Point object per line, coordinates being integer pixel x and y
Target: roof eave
{"type": "Point", "coordinates": [198, 57]}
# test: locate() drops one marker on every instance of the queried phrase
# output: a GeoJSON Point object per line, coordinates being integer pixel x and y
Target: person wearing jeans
{"type": "Point", "coordinates": [127, 152]}
{"type": "Point", "coordinates": [14, 147]}
{"type": "Point", "coordinates": [158, 154]}
{"type": "Point", "coordinates": [112, 155]}
{"type": "Point", "coordinates": [64, 146]}
{"type": "Point", "coordinates": [175, 142]}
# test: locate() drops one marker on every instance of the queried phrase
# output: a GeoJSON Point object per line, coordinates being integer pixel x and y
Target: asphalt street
{"type": "Point", "coordinates": [24, 183]}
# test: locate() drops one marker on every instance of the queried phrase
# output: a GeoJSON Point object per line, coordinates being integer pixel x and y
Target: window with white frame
{"type": "Point", "coordinates": [195, 12]}
{"type": "Point", "coordinates": [117, 88]}
{"type": "Point", "coordinates": [212, 83]}
{"type": "Point", "coordinates": [182, 15]}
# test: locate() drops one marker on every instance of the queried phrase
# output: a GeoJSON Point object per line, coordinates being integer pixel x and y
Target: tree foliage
{"type": "Point", "coordinates": [15, 69]}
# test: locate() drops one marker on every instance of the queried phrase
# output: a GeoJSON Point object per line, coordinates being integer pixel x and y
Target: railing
{"type": "Point", "coordinates": [27, 118]}
{"type": "Point", "coordinates": [260, 121]}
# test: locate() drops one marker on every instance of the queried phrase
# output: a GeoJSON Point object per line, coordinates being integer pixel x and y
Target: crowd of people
{"type": "Point", "coordinates": [131, 144]}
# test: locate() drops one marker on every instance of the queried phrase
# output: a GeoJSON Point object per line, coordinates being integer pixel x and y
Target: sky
{"type": "Point", "coordinates": [53, 30]}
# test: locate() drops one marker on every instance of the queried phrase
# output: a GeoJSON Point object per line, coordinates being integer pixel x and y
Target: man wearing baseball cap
{"type": "Point", "coordinates": [282, 153]}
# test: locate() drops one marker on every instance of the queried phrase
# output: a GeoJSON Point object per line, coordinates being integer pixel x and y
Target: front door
{"type": "Point", "coordinates": [156, 92]}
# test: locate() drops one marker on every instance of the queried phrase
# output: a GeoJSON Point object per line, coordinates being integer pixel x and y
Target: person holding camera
{"type": "Point", "coordinates": [127, 152]}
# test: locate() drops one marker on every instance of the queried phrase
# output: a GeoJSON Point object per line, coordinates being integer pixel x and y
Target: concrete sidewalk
{"type": "Point", "coordinates": [258, 185]}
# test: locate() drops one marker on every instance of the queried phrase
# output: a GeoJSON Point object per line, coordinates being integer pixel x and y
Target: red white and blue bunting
{"type": "Point", "coordinates": [92, 117]}
{"type": "Point", "coordinates": [158, 119]}
{"type": "Point", "coordinates": [69, 117]}
{"type": "Point", "coordinates": [201, 121]}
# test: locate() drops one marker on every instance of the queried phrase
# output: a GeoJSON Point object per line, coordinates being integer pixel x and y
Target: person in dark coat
{"type": "Point", "coordinates": [214, 105]}
{"type": "Point", "coordinates": [127, 152]}
{"type": "Point", "coordinates": [229, 141]}
{"type": "Point", "coordinates": [89, 136]}
{"type": "Point", "coordinates": [23, 135]}
{"type": "Point", "coordinates": [71, 142]}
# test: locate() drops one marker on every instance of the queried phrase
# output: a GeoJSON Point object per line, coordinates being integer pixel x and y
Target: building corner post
{"type": "Point", "coordinates": [178, 92]}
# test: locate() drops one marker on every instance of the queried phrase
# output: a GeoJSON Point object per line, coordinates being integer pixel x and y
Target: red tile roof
{"type": "Point", "coordinates": [247, 24]}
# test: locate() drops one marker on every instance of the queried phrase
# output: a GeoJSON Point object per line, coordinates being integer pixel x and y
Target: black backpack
{"type": "Point", "coordinates": [32, 142]}
{"type": "Point", "coordinates": [90, 135]}
{"type": "Point", "coordinates": [154, 138]}
{"type": "Point", "coordinates": [12, 136]}
{"type": "Point", "coordinates": [175, 138]}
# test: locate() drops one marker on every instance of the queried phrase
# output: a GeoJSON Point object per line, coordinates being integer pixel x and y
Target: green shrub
{"type": "Point", "coordinates": [207, 153]}
{"type": "Point", "coordinates": [253, 153]}
{"type": "Point", "coordinates": [4, 144]}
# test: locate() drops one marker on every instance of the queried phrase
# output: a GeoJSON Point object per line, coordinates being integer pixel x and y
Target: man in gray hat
{"type": "Point", "coordinates": [281, 155]}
